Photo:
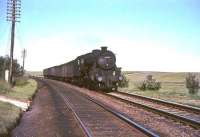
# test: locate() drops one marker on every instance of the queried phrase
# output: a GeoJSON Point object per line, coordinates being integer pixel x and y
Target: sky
{"type": "Point", "coordinates": [145, 35]}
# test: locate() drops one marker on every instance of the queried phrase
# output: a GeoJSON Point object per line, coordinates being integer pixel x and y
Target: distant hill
{"type": "Point", "coordinates": [160, 76]}
{"type": "Point", "coordinates": [34, 73]}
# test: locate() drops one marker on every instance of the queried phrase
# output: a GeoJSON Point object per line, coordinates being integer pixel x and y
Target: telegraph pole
{"type": "Point", "coordinates": [23, 56]}
{"type": "Point", "coordinates": [13, 15]}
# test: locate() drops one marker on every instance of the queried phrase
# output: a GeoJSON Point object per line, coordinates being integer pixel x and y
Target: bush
{"type": "Point", "coordinates": [149, 84]}
{"type": "Point", "coordinates": [4, 65]}
{"type": "Point", "coordinates": [153, 85]}
{"type": "Point", "coordinates": [124, 82]}
{"type": "Point", "coordinates": [192, 83]}
{"type": "Point", "coordinates": [141, 86]}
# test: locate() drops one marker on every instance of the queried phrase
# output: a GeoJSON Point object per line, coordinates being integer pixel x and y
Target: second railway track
{"type": "Point", "coordinates": [156, 122]}
{"type": "Point", "coordinates": [178, 112]}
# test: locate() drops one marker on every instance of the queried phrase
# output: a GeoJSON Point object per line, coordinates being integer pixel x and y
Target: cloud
{"type": "Point", "coordinates": [149, 55]}
{"type": "Point", "coordinates": [132, 53]}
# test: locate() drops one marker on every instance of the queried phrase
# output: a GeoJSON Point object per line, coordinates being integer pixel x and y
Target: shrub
{"type": "Point", "coordinates": [153, 85]}
{"type": "Point", "coordinates": [124, 82]}
{"type": "Point", "coordinates": [192, 83]}
{"type": "Point", "coordinates": [149, 84]}
{"type": "Point", "coordinates": [4, 64]}
{"type": "Point", "coordinates": [141, 85]}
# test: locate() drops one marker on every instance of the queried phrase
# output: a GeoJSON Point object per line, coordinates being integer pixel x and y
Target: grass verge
{"type": "Point", "coordinates": [24, 90]}
{"type": "Point", "coordinates": [9, 116]}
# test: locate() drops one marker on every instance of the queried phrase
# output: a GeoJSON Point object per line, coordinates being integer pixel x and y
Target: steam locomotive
{"type": "Point", "coordinates": [94, 70]}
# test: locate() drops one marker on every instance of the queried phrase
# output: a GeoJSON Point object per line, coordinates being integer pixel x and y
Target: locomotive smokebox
{"type": "Point", "coordinates": [103, 49]}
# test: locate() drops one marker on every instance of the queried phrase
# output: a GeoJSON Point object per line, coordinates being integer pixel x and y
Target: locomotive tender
{"type": "Point", "coordinates": [95, 70]}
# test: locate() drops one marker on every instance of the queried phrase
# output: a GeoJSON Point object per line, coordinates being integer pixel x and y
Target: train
{"type": "Point", "coordinates": [94, 70]}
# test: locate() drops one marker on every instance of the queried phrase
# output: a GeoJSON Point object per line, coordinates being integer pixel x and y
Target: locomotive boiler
{"type": "Point", "coordinates": [95, 70]}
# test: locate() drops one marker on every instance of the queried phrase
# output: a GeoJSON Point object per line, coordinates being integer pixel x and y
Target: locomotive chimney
{"type": "Point", "coordinates": [103, 49]}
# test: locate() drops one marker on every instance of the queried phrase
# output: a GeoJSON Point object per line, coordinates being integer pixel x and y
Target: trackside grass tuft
{"type": "Point", "coordinates": [173, 87]}
{"type": "Point", "coordinates": [9, 116]}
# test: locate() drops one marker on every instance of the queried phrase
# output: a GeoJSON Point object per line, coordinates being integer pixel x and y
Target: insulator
{"type": "Point", "coordinates": [13, 20]}
{"type": "Point", "coordinates": [13, 10]}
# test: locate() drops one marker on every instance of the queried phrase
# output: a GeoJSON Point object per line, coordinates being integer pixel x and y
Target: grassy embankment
{"type": "Point", "coordinates": [10, 114]}
{"type": "Point", "coordinates": [172, 87]}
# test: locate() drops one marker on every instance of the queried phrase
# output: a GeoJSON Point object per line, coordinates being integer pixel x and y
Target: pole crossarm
{"type": "Point", "coordinates": [13, 10]}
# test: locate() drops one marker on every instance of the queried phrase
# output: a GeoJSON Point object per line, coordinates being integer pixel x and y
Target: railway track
{"type": "Point", "coordinates": [96, 118]}
{"type": "Point", "coordinates": [178, 112]}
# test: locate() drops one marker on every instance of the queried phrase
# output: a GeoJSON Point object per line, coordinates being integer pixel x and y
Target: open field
{"type": "Point", "coordinates": [172, 87]}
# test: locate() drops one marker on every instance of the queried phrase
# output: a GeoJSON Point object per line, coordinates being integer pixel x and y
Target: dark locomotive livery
{"type": "Point", "coordinates": [96, 70]}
